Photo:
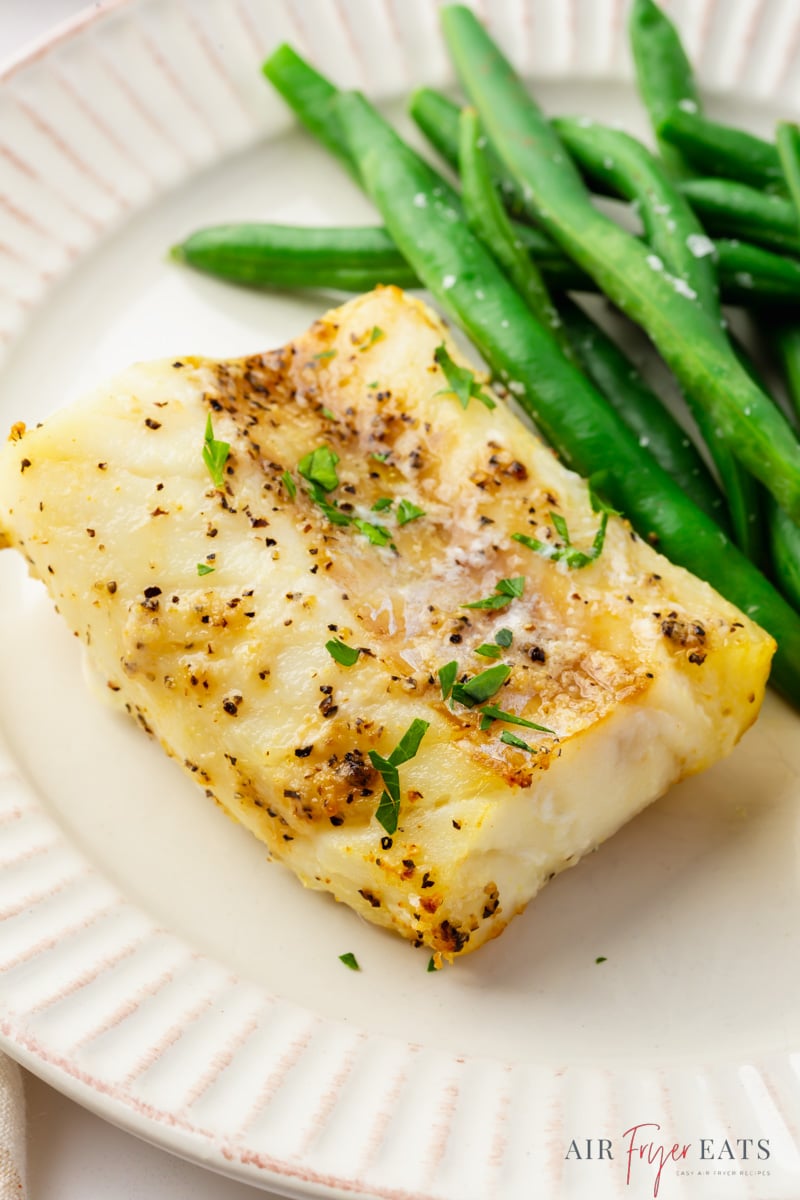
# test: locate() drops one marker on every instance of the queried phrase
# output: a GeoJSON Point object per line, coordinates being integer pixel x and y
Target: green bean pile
{"type": "Point", "coordinates": [720, 216]}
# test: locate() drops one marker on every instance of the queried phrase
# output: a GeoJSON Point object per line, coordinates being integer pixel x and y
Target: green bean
{"type": "Point", "coordinates": [741, 489]}
{"type": "Point", "coordinates": [784, 545]}
{"type": "Point", "coordinates": [736, 210]}
{"type": "Point", "coordinates": [746, 273]}
{"type": "Point", "coordinates": [676, 236]}
{"type": "Point", "coordinates": [720, 150]}
{"type": "Point", "coordinates": [686, 140]}
{"type": "Point", "coordinates": [437, 116]}
{"type": "Point", "coordinates": [287, 256]}
{"type": "Point", "coordinates": [671, 229]}
{"type": "Point", "coordinates": [786, 340]}
{"type": "Point", "coordinates": [310, 96]}
{"type": "Point", "coordinates": [664, 75]}
{"type": "Point", "coordinates": [787, 139]}
{"type": "Point", "coordinates": [691, 342]}
{"type": "Point", "coordinates": [784, 533]}
{"type": "Point", "coordinates": [358, 258]}
{"type": "Point", "coordinates": [487, 219]}
{"type": "Point", "coordinates": [572, 414]}
{"type": "Point", "coordinates": [749, 274]}
{"type": "Point", "coordinates": [347, 258]}
{"type": "Point", "coordinates": [615, 376]}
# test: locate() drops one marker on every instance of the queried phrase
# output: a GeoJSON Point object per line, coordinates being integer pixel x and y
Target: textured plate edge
{"type": "Point", "coordinates": [191, 1143]}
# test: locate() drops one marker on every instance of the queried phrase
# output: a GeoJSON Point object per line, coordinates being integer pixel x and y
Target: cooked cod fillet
{"type": "Point", "coordinates": [643, 673]}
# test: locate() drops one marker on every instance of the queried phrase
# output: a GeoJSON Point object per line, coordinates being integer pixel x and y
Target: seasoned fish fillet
{"type": "Point", "coordinates": [643, 673]}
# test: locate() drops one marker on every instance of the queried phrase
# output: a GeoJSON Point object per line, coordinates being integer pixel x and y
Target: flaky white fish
{"type": "Point", "coordinates": [224, 617]}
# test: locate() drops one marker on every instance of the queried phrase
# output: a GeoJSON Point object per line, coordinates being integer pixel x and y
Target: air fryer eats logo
{"type": "Point", "coordinates": [646, 1154]}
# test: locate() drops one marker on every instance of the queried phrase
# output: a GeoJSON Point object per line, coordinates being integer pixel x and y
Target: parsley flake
{"type": "Point", "coordinates": [319, 467]}
{"type": "Point", "coordinates": [373, 385]}
{"type": "Point", "coordinates": [505, 590]}
{"type": "Point", "coordinates": [601, 958]}
{"type": "Point", "coordinates": [511, 739]}
{"type": "Point", "coordinates": [571, 555]}
{"type": "Point", "coordinates": [388, 811]}
{"type": "Point", "coordinates": [346, 656]}
{"type": "Point", "coordinates": [481, 687]}
{"type": "Point", "coordinates": [382, 504]}
{"type": "Point", "coordinates": [289, 484]}
{"type": "Point", "coordinates": [204, 569]}
{"type": "Point", "coordinates": [376, 335]}
{"type": "Point", "coordinates": [330, 416]}
{"type": "Point", "coordinates": [492, 713]}
{"type": "Point", "coordinates": [447, 677]}
{"type": "Point", "coordinates": [325, 355]}
{"type": "Point", "coordinates": [504, 637]}
{"type": "Point", "coordinates": [350, 961]}
{"type": "Point", "coordinates": [461, 381]}
{"type": "Point", "coordinates": [382, 456]}
{"type": "Point", "coordinates": [379, 535]}
{"type": "Point", "coordinates": [215, 454]}
{"type": "Point", "coordinates": [432, 964]}
{"type": "Point", "coordinates": [489, 650]}
{"type": "Point", "coordinates": [406, 511]}
{"type": "Point", "coordinates": [331, 511]}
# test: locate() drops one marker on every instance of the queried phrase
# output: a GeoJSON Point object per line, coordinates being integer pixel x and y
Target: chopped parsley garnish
{"type": "Point", "coordinates": [409, 743]}
{"type": "Point", "coordinates": [346, 656]}
{"type": "Point", "coordinates": [319, 467]}
{"type": "Point", "coordinates": [481, 687]}
{"type": "Point", "coordinates": [447, 677]}
{"type": "Point", "coordinates": [388, 811]}
{"type": "Point", "coordinates": [376, 335]}
{"type": "Point", "coordinates": [289, 484]}
{"type": "Point", "coordinates": [334, 514]}
{"type": "Point", "coordinates": [511, 739]}
{"type": "Point", "coordinates": [505, 590]}
{"type": "Point", "coordinates": [601, 958]}
{"type": "Point", "coordinates": [215, 454]}
{"type": "Point", "coordinates": [350, 961]}
{"type": "Point", "coordinates": [460, 380]}
{"type": "Point", "coordinates": [373, 385]}
{"type": "Point", "coordinates": [492, 713]}
{"type": "Point", "coordinates": [432, 964]}
{"type": "Point", "coordinates": [331, 416]}
{"type": "Point", "coordinates": [204, 569]}
{"type": "Point", "coordinates": [489, 650]}
{"type": "Point", "coordinates": [379, 535]}
{"type": "Point", "coordinates": [568, 553]}
{"type": "Point", "coordinates": [406, 511]}
{"type": "Point", "coordinates": [382, 504]}
{"type": "Point", "coordinates": [326, 354]}
{"type": "Point", "coordinates": [382, 456]}
{"type": "Point", "coordinates": [504, 637]}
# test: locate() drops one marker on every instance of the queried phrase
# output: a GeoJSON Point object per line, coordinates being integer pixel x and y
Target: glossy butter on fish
{"type": "Point", "coordinates": [207, 611]}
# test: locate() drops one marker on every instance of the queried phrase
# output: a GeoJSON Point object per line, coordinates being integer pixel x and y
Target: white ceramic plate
{"type": "Point", "coordinates": [153, 966]}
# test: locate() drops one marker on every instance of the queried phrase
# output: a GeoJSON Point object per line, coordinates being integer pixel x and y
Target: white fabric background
{"type": "Point", "coordinates": [73, 1155]}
